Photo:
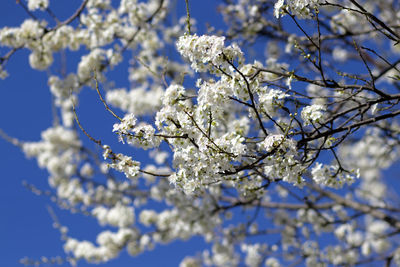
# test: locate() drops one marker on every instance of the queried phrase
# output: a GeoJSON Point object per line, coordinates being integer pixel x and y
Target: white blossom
{"type": "Point", "coordinates": [313, 114]}
{"type": "Point", "coordinates": [119, 215]}
{"type": "Point", "coordinates": [38, 4]}
{"type": "Point", "coordinates": [272, 262]}
{"type": "Point", "coordinates": [203, 51]}
{"type": "Point", "coordinates": [300, 8]}
{"type": "Point", "coordinates": [126, 125]}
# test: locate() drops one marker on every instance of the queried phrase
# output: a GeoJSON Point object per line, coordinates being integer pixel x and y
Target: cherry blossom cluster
{"type": "Point", "coordinates": [258, 138]}
{"type": "Point", "coordinates": [300, 8]}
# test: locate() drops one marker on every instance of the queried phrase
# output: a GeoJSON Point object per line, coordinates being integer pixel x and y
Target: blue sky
{"type": "Point", "coordinates": [25, 225]}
